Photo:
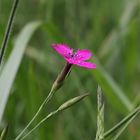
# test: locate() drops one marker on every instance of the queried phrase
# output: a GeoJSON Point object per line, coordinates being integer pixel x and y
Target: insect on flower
{"type": "Point", "coordinates": [75, 58]}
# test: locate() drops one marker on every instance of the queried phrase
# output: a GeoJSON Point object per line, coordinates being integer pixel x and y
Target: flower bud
{"type": "Point", "coordinates": [71, 102]}
{"type": "Point", "coordinates": [61, 77]}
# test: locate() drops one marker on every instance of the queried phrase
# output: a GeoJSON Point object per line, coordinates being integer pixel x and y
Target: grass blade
{"type": "Point", "coordinates": [11, 67]}
{"type": "Point", "coordinates": [113, 92]}
{"type": "Point", "coordinates": [115, 34]}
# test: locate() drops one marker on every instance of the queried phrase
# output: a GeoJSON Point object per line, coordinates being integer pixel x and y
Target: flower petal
{"type": "Point", "coordinates": [88, 65]}
{"type": "Point", "coordinates": [63, 50]}
{"type": "Point", "coordinates": [83, 54]}
{"type": "Point", "coordinates": [71, 60]}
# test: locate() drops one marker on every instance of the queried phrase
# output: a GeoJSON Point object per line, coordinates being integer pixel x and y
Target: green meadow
{"type": "Point", "coordinates": [110, 30]}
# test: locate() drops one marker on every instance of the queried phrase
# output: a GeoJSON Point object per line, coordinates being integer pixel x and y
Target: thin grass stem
{"type": "Point", "coordinates": [48, 98]}
{"type": "Point", "coordinates": [122, 122]}
{"type": "Point", "coordinates": [63, 107]}
{"type": "Point", "coordinates": [8, 29]}
{"type": "Point", "coordinates": [125, 126]}
{"type": "Point", "coordinates": [42, 121]}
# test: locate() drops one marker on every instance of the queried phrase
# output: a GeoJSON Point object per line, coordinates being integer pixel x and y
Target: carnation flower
{"type": "Point", "coordinates": [75, 58]}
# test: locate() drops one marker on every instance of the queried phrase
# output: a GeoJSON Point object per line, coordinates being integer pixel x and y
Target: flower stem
{"type": "Point", "coordinates": [42, 121]}
{"type": "Point", "coordinates": [8, 29]}
{"type": "Point", "coordinates": [56, 85]}
{"type": "Point", "coordinates": [47, 99]}
{"type": "Point", "coordinates": [63, 107]}
{"type": "Point", "coordinates": [61, 77]}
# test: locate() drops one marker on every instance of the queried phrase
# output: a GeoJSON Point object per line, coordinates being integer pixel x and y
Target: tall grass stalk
{"type": "Point", "coordinates": [100, 115]}
{"type": "Point", "coordinates": [8, 29]}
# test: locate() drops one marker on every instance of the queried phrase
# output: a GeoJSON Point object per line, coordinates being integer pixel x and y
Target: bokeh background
{"type": "Point", "coordinates": [110, 29]}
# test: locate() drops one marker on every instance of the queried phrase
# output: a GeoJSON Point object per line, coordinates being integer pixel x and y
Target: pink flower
{"type": "Point", "coordinates": [76, 58]}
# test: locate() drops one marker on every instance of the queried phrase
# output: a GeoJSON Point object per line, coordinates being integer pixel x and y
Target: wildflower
{"type": "Point", "coordinates": [75, 58]}
{"type": "Point", "coordinates": [72, 58]}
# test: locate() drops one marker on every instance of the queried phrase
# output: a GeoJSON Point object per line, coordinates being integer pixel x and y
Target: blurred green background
{"type": "Point", "coordinates": [110, 29]}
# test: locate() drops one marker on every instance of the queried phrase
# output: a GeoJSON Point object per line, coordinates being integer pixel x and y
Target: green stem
{"type": "Point", "coordinates": [37, 113]}
{"type": "Point", "coordinates": [42, 121]}
{"type": "Point", "coordinates": [64, 106]}
{"type": "Point", "coordinates": [8, 29]}
{"type": "Point", "coordinates": [126, 119]}
{"type": "Point", "coordinates": [124, 127]}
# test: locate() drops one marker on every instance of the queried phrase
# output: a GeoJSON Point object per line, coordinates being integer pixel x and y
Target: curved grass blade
{"type": "Point", "coordinates": [113, 92]}
{"type": "Point", "coordinates": [11, 67]}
